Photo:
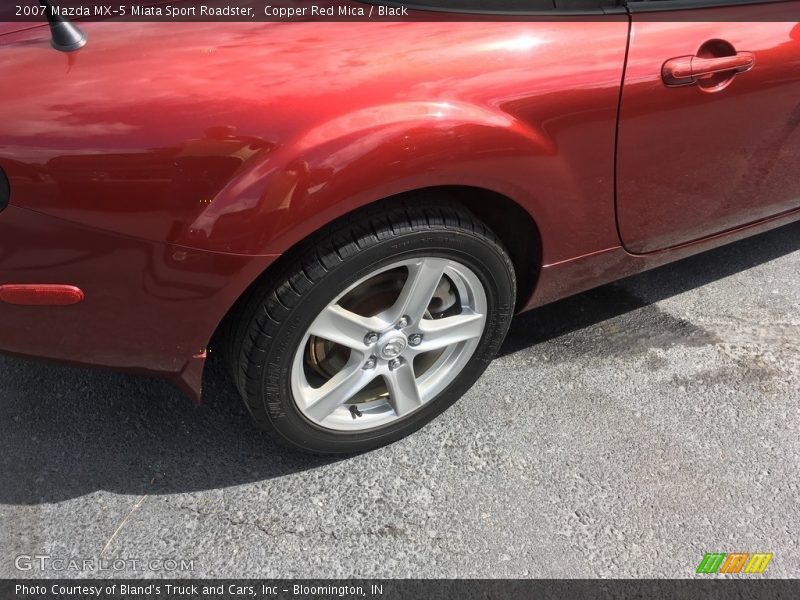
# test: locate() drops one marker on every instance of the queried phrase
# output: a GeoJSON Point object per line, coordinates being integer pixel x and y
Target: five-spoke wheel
{"type": "Point", "coordinates": [368, 359]}
{"type": "Point", "coordinates": [372, 329]}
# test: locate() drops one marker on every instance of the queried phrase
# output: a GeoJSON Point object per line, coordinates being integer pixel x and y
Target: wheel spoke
{"type": "Point", "coordinates": [403, 391]}
{"type": "Point", "coordinates": [344, 327]}
{"type": "Point", "coordinates": [423, 279]}
{"type": "Point", "coordinates": [440, 333]}
{"type": "Point", "coordinates": [338, 390]}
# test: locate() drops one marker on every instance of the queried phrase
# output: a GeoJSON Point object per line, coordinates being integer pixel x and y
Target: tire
{"type": "Point", "coordinates": [275, 350]}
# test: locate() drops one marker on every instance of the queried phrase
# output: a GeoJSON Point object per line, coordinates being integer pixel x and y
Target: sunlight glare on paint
{"type": "Point", "coordinates": [521, 43]}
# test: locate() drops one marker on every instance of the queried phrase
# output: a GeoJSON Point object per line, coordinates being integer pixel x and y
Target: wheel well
{"type": "Point", "coordinates": [511, 223]}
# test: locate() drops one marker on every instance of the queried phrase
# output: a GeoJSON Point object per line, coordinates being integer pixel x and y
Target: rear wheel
{"type": "Point", "coordinates": [373, 330]}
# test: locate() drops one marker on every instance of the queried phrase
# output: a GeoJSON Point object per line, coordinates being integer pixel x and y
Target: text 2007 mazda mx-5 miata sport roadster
{"type": "Point", "coordinates": [354, 211]}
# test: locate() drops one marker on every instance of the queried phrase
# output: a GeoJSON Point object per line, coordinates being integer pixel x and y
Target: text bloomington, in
{"type": "Point", "coordinates": [283, 12]}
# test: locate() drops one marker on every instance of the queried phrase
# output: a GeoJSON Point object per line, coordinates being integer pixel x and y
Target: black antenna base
{"type": "Point", "coordinates": [65, 37]}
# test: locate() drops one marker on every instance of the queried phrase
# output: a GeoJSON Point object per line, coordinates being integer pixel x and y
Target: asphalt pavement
{"type": "Point", "coordinates": [623, 432]}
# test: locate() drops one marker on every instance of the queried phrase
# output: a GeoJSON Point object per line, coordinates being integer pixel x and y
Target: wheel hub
{"type": "Point", "coordinates": [393, 347]}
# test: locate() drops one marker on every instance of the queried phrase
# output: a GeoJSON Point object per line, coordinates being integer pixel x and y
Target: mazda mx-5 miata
{"type": "Point", "coordinates": [351, 213]}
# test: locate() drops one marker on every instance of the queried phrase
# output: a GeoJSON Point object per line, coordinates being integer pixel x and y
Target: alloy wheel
{"type": "Point", "coordinates": [388, 344]}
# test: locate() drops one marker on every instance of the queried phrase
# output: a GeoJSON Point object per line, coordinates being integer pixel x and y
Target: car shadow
{"type": "Point", "coordinates": [642, 290]}
{"type": "Point", "coordinates": [67, 432]}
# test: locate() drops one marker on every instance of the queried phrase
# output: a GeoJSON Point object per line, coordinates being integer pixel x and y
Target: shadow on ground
{"type": "Point", "coordinates": [67, 432]}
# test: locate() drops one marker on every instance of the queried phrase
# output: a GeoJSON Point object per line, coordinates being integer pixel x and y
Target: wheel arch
{"type": "Point", "coordinates": [512, 224]}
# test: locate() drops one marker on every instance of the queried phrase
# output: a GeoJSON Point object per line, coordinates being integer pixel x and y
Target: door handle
{"type": "Point", "coordinates": [686, 70]}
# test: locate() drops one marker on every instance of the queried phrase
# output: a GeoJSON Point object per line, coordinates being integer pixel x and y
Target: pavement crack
{"type": "Point", "coordinates": [133, 509]}
{"type": "Point", "coordinates": [257, 523]}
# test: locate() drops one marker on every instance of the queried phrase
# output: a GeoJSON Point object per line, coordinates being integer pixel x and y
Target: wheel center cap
{"type": "Point", "coordinates": [393, 348]}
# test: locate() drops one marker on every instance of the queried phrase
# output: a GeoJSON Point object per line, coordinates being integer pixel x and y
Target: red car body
{"type": "Point", "coordinates": [165, 166]}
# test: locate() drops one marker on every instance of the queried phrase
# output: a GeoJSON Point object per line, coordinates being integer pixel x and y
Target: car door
{"type": "Point", "coordinates": [709, 129]}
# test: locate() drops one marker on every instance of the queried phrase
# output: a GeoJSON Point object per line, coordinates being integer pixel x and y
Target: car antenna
{"type": "Point", "coordinates": [65, 36]}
